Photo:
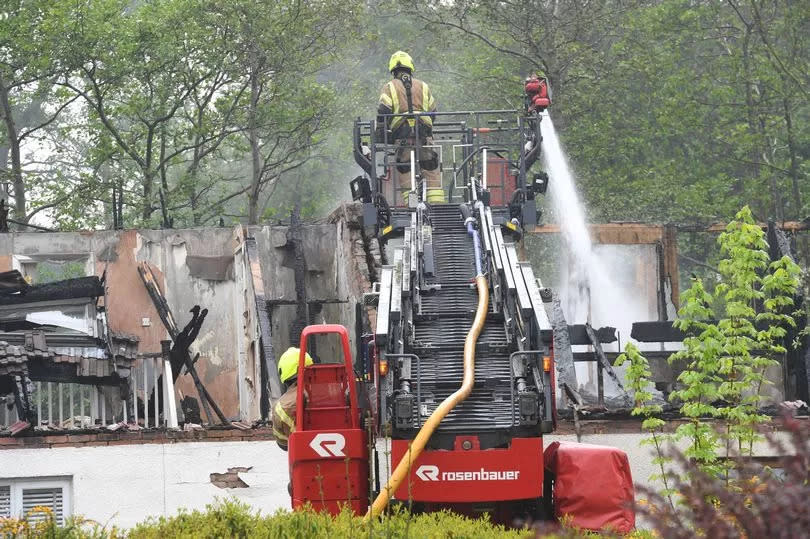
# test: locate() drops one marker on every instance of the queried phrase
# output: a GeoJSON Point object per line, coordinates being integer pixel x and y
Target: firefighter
{"type": "Point", "coordinates": [401, 95]}
{"type": "Point", "coordinates": [284, 410]}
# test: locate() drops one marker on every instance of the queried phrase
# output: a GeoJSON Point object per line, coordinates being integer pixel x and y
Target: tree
{"type": "Point", "coordinates": [138, 104]}
{"type": "Point", "coordinates": [735, 334]}
{"type": "Point", "coordinates": [28, 100]}
{"type": "Point", "coordinates": [277, 51]}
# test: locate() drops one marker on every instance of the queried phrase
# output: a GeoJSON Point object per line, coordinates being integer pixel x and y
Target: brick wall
{"type": "Point", "coordinates": [95, 439]}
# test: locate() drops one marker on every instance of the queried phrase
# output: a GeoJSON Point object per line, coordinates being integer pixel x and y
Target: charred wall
{"type": "Point", "coordinates": [212, 267]}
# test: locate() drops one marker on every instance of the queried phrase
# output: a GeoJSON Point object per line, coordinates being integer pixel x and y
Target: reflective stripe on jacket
{"type": "Point", "coordinates": [284, 416]}
{"type": "Point", "coordinates": [394, 98]}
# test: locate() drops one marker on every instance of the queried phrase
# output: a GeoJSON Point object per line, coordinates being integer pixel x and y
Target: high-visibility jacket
{"type": "Point", "coordinates": [394, 100]}
{"type": "Point", "coordinates": [284, 416]}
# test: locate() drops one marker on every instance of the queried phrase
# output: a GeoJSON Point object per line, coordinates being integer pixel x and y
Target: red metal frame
{"type": "Point", "coordinates": [328, 451]}
{"type": "Point", "coordinates": [321, 329]}
{"type": "Point", "coordinates": [473, 475]}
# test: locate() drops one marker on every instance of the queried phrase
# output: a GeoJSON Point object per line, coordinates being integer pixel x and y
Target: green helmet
{"type": "Point", "coordinates": [400, 59]}
{"type": "Point", "coordinates": [288, 364]}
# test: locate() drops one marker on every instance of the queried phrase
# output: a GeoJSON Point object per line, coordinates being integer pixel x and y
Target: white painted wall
{"type": "Point", "coordinates": [125, 484]}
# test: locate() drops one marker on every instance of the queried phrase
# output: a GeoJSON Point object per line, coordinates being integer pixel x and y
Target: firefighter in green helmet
{"type": "Point", "coordinates": [403, 94]}
{"type": "Point", "coordinates": [284, 409]}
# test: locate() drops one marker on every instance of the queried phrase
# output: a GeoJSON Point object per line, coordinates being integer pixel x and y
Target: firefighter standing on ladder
{"type": "Point", "coordinates": [404, 94]}
{"type": "Point", "coordinates": [284, 410]}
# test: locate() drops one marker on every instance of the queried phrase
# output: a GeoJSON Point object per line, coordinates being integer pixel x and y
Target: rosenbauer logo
{"type": "Point", "coordinates": [328, 444]}
{"type": "Point", "coordinates": [430, 472]}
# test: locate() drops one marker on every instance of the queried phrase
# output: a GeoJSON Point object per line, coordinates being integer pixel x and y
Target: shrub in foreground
{"type": "Point", "coordinates": [40, 522]}
{"type": "Point", "coordinates": [760, 502]}
{"type": "Point", "coordinates": [235, 519]}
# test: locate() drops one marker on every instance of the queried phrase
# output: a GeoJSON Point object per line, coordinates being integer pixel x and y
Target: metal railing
{"type": "Point", "coordinates": [74, 406]}
{"type": "Point", "coordinates": [505, 132]}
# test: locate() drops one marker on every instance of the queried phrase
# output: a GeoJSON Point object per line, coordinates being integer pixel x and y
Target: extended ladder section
{"type": "Point", "coordinates": [426, 306]}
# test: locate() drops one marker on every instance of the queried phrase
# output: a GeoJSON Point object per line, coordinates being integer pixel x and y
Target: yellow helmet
{"type": "Point", "coordinates": [288, 363]}
{"type": "Point", "coordinates": [401, 59]}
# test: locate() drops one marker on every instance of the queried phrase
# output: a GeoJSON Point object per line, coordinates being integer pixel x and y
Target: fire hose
{"type": "Point", "coordinates": [403, 468]}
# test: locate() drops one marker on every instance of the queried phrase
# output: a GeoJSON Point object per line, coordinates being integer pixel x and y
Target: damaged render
{"type": "Point", "coordinates": [91, 350]}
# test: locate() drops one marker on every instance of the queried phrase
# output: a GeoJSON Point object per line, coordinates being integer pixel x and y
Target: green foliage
{"type": "Point", "coordinates": [760, 504]}
{"type": "Point", "coordinates": [691, 110]}
{"type": "Point", "coordinates": [231, 518]}
{"type": "Point", "coordinates": [731, 343]}
{"type": "Point", "coordinates": [671, 110]}
{"type": "Point", "coordinates": [40, 522]}
{"type": "Point", "coordinates": [235, 519]}
{"type": "Point", "coordinates": [638, 378]}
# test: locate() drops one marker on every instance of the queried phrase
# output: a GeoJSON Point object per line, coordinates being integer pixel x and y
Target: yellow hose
{"type": "Point", "coordinates": [422, 437]}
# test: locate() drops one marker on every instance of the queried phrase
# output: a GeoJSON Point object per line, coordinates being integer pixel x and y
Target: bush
{"type": "Point", "coordinates": [40, 522]}
{"type": "Point", "coordinates": [758, 503]}
{"type": "Point", "coordinates": [234, 519]}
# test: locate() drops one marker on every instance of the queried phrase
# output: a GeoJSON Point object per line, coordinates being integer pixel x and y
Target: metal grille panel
{"type": "Point", "coordinates": [441, 328]}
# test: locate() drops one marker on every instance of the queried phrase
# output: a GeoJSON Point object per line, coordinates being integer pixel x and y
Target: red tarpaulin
{"type": "Point", "coordinates": [593, 485]}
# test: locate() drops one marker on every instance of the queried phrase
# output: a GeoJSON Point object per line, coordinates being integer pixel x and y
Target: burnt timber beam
{"type": "Point", "coordinates": [82, 287]}
{"type": "Point", "coordinates": [167, 318]}
{"type": "Point", "coordinates": [295, 244]}
{"type": "Point", "coordinates": [787, 226]}
{"type": "Point", "coordinates": [657, 331]}
{"type": "Point", "coordinates": [46, 370]}
{"type": "Point", "coordinates": [22, 398]}
{"type": "Point", "coordinates": [271, 386]}
{"type": "Point", "coordinates": [665, 331]}
{"type": "Point", "coordinates": [563, 355]}
{"type": "Point", "coordinates": [12, 282]}
{"type": "Point", "coordinates": [579, 335]}
{"type": "Point", "coordinates": [600, 357]}
{"type": "Point", "coordinates": [663, 355]}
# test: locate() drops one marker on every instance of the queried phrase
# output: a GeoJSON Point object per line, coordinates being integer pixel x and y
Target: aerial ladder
{"type": "Point", "coordinates": [459, 368]}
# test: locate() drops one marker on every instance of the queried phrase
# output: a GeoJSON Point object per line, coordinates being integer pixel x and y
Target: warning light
{"type": "Point", "coordinates": [547, 363]}
{"type": "Point", "coordinates": [383, 367]}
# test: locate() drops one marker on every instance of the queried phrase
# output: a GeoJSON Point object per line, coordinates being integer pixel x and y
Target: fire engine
{"type": "Point", "coordinates": [458, 370]}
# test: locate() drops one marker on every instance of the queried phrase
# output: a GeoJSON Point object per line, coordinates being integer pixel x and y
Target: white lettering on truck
{"type": "Point", "coordinates": [428, 472]}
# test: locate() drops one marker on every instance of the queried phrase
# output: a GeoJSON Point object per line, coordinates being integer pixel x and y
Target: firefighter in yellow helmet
{"type": "Point", "coordinates": [403, 94]}
{"type": "Point", "coordinates": [284, 409]}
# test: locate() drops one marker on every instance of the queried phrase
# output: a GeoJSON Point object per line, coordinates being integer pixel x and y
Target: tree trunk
{"type": "Point", "coordinates": [14, 146]}
{"type": "Point", "coordinates": [164, 182]}
{"type": "Point", "coordinates": [148, 176]}
{"type": "Point", "coordinates": [794, 162]}
{"type": "Point", "coordinates": [253, 135]}
{"type": "Point", "coordinates": [4, 172]}
{"type": "Point", "coordinates": [192, 196]}
{"type": "Point", "coordinates": [803, 243]}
